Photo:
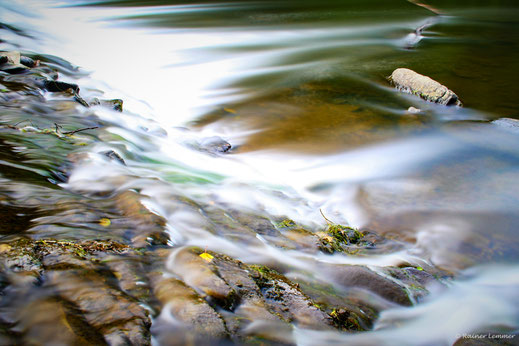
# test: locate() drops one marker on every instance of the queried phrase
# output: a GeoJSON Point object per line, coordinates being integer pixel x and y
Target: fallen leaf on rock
{"type": "Point", "coordinates": [207, 257]}
{"type": "Point", "coordinates": [105, 222]}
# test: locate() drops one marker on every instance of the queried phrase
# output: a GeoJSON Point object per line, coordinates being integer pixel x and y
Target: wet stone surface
{"type": "Point", "coordinates": [81, 268]}
{"type": "Point", "coordinates": [334, 238]}
{"type": "Point", "coordinates": [430, 90]}
{"type": "Point", "coordinates": [99, 290]}
{"type": "Point", "coordinates": [244, 294]}
{"type": "Point", "coordinates": [366, 279]}
{"type": "Point", "coordinates": [214, 145]}
{"type": "Point", "coordinates": [68, 287]}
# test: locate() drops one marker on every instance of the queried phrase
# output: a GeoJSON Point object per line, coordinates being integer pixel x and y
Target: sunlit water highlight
{"type": "Point", "coordinates": [311, 116]}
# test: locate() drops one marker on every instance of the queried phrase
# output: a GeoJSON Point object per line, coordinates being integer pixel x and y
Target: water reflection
{"type": "Point", "coordinates": [300, 91]}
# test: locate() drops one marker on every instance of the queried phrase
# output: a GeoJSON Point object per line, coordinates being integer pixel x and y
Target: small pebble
{"type": "Point", "coordinates": [25, 60]}
{"type": "Point", "coordinates": [215, 144]}
{"type": "Point", "coordinates": [112, 155]}
{"type": "Point", "coordinates": [413, 110]}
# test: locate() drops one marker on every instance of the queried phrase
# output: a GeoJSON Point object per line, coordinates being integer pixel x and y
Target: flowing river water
{"type": "Point", "coordinates": [300, 91]}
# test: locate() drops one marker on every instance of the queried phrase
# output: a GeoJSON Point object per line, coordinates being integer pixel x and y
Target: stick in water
{"type": "Point", "coordinates": [327, 221]}
{"type": "Point", "coordinates": [428, 7]}
{"type": "Point", "coordinates": [79, 130]}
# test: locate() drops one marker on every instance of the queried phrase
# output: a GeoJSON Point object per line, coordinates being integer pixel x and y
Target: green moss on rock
{"type": "Point", "coordinates": [339, 238]}
{"type": "Point", "coordinates": [286, 223]}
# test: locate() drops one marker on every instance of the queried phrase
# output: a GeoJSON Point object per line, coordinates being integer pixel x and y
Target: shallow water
{"type": "Point", "coordinates": [299, 89]}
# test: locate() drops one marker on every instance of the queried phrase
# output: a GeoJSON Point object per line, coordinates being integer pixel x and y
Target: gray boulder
{"type": "Point", "coordinates": [428, 89]}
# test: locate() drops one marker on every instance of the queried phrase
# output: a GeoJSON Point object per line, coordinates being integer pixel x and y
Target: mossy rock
{"type": "Point", "coordinates": [334, 238]}
{"type": "Point", "coordinates": [200, 274]}
{"type": "Point", "coordinates": [286, 223]}
{"type": "Point", "coordinates": [347, 313]}
{"type": "Point", "coordinates": [250, 292]}
{"type": "Point", "coordinates": [339, 238]}
{"type": "Point", "coordinates": [286, 299]}
{"type": "Point", "coordinates": [352, 276]}
{"type": "Point", "coordinates": [72, 277]}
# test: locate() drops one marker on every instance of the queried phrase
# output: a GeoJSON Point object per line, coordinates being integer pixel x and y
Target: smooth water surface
{"type": "Point", "coordinates": [300, 90]}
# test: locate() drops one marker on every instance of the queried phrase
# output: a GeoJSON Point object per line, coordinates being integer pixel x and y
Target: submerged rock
{"type": "Point", "coordinates": [508, 124]}
{"type": "Point", "coordinates": [413, 110]}
{"type": "Point", "coordinates": [10, 62]}
{"type": "Point", "coordinates": [58, 322]}
{"type": "Point", "coordinates": [341, 238]}
{"type": "Point", "coordinates": [428, 89]}
{"type": "Point", "coordinates": [112, 155]}
{"type": "Point", "coordinates": [417, 280]}
{"type": "Point", "coordinates": [102, 292]}
{"type": "Point", "coordinates": [57, 86]}
{"type": "Point", "coordinates": [248, 294]}
{"type": "Point", "coordinates": [115, 104]}
{"type": "Point", "coordinates": [43, 76]}
{"type": "Point", "coordinates": [348, 312]}
{"type": "Point", "coordinates": [364, 278]}
{"type": "Point", "coordinates": [96, 291]}
{"type": "Point", "coordinates": [119, 318]}
{"type": "Point", "coordinates": [63, 287]}
{"type": "Point", "coordinates": [413, 38]}
{"type": "Point", "coordinates": [334, 238]}
{"type": "Point", "coordinates": [29, 62]}
{"type": "Point", "coordinates": [145, 227]}
{"type": "Point", "coordinates": [287, 300]}
{"type": "Point", "coordinates": [197, 273]}
{"type": "Point", "coordinates": [182, 302]}
{"type": "Point", "coordinates": [215, 145]}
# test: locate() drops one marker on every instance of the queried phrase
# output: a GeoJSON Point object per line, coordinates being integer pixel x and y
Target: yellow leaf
{"type": "Point", "coordinates": [230, 110]}
{"type": "Point", "coordinates": [206, 256]}
{"type": "Point", "coordinates": [5, 247]}
{"type": "Point", "coordinates": [105, 222]}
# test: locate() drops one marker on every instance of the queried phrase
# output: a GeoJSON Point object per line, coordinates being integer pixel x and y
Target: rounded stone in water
{"type": "Point", "coordinates": [430, 90]}
{"type": "Point", "coordinates": [509, 124]}
{"type": "Point", "coordinates": [215, 145]}
{"type": "Point", "coordinates": [10, 62]}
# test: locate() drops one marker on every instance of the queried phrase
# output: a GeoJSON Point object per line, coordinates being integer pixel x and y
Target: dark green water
{"type": "Point", "coordinates": [300, 90]}
{"type": "Point", "coordinates": [472, 47]}
{"type": "Point", "coordinates": [329, 62]}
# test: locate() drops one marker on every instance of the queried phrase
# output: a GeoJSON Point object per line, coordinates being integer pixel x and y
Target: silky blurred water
{"type": "Point", "coordinates": [299, 89]}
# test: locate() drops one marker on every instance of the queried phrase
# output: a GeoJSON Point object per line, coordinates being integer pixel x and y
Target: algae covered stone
{"type": "Point", "coordinates": [428, 89]}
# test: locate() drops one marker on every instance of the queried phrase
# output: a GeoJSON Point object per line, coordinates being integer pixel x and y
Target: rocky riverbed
{"type": "Point", "coordinates": [119, 279]}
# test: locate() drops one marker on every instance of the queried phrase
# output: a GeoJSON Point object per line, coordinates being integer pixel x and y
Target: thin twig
{"type": "Point", "coordinates": [79, 130]}
{"type": "Point", "coordinates": [428, 7]}
{"type": "Point", "coordinates": [18, 123]}
{"type": "Point", "coordinates": [327, 221]}
{"type": "Point", "coordinates": [80, 100]}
